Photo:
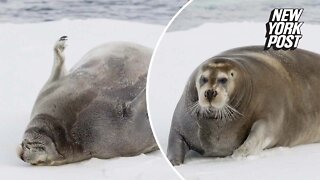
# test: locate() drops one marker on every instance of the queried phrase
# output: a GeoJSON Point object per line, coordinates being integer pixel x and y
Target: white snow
{"type": "Point", "coordinates": [26, 57]}
{"type": "Point", "coordinates": [178, 54]}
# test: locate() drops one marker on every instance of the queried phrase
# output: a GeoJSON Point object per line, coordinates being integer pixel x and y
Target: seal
{"type": "Point", "coordinates": [97, 109]}
{"type": "Point", "coordinates": [245, 100]}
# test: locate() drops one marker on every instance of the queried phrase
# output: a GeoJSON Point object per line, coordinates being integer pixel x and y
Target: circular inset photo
{"type": "Point", "coordinates": [233, 90]}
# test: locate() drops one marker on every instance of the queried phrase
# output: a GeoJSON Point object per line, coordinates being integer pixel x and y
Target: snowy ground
{"type": "Point", "coordinates": [25, 61]}
{"type": "Point", "coordinates": [179, 53]}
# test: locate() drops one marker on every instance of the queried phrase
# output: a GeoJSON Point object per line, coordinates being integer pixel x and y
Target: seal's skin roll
{"type": "Point", "coordinates": [98, 109]}
{"type": "Point", "coordinates": [245, 100]}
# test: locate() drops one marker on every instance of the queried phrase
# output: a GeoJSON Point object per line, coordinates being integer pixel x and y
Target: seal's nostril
{"type": "Point", "coordinates": [21, 157]}
{"type": "Point", "coordinates": [215, 93]}
{"type": "Point", "coordinates": [19, 151]}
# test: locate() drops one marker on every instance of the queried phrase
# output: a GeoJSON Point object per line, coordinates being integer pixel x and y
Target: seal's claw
{"type": "Point", "coordinates": [63, 38]}
{"type": "Point", "coordinates": [61, 43]}
{"type": "Point", "coordinates": [240, 153]}
{"type": "Point", "coordinates": [175, 162]}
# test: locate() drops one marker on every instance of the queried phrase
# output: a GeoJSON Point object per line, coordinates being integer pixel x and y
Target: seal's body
{"type": "Point", "coordinates": [98, 109]}
{"type": "Point", "coordinates": [245, 100]}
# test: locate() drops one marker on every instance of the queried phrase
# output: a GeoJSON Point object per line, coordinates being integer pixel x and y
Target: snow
{"type": "Point", "coordinates": [26, 59]}
{"type": "Point", "coordinates": [178, 54]}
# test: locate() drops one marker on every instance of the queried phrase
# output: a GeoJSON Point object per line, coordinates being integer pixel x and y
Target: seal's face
{"type": "Point", "coordinates": [38, 149]}
{"type": "Point", "coordinates": [215, 84]}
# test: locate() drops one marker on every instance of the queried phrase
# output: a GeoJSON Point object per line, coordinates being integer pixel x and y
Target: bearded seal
{"type": "Point", "coordinates": [245, 100]}
{"type": "Point", "coordinates": [97, 109]}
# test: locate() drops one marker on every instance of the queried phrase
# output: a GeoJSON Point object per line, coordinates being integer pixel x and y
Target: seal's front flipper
{"type": "Point", "coordinates": [177, 148]}
{"type": "Point", "coordinates": [58, 69]}
{"type": "Point", "coordinates": [259, 138]}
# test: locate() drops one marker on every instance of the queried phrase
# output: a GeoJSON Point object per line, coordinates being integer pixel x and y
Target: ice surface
{"type": "Point", "coordinates": [179, 53]}
{"type": "Point", "coordinates": [26, 58]}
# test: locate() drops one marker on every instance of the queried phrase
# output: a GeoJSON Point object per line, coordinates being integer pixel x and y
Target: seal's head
{"type": "Point", "coordinates": [37, 148]}
{"type": "Point", "coordinates": [216, 82]}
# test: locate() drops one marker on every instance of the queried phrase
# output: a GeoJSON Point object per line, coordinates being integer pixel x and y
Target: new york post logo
{"type": "Point", "coordinates": [283, 29]}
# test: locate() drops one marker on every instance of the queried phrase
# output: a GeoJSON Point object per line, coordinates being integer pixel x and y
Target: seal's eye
{"type": "Point", "coordinates": [39, 148]}
{"type": "Point", "coordinates": [222, 80]}
{"type": "Point", "coordinates": [203, 80]}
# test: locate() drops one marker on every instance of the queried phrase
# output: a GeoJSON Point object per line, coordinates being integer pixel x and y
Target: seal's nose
{"type": "Point", "coordinates": [20, 152]}
{"type": "Point", "coordinates": [210, 94]}
{"type": "Point", "coordinates": [21, 157]}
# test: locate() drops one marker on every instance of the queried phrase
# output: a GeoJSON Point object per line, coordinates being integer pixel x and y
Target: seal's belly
{"type": "Point", "coordinates": [219, 148]}
{"type": "Point", "coordinates": [219, 139]}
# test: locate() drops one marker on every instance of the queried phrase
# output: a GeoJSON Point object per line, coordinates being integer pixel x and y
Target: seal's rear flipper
{"type": "Point", "coordinates": [58, 69]}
